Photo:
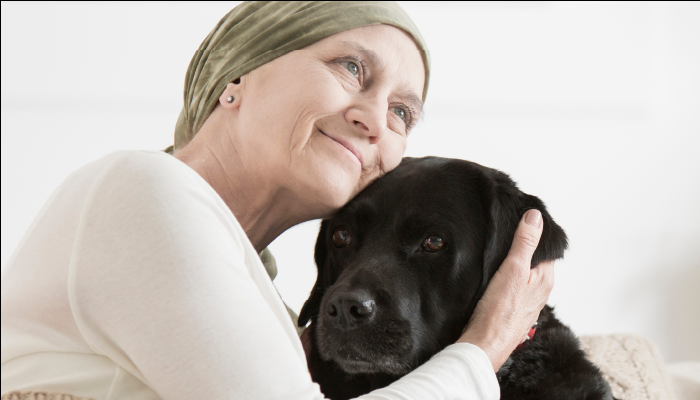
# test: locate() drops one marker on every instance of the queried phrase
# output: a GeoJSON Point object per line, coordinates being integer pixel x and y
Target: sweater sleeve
{"type": "Point", "coordinates": [164, 282]}
{"type": "Point", "coordinates": [460, 371]}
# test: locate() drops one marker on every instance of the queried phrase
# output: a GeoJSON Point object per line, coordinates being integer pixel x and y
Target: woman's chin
{"type": "Point", "coordinates": [333, 201]}
{"type": "Point", "coordinates": [330, 191]}
{"type": "Point", "coordinates": [329, 176]}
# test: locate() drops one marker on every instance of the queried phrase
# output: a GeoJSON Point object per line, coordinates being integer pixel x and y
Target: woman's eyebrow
{"type": "Point", "coordinates": [371, 55]}
{"type": "Point", "coordinates": [413, 100]}
{"type": "Point", "coordinates": [374, 59]}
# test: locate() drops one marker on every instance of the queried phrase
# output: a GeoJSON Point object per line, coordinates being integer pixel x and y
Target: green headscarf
{"type": "Point", "coordinates": [257, 32]}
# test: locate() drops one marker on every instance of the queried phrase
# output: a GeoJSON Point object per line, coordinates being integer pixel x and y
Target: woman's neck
{"type": "Point", "coordinates": [262, 206]}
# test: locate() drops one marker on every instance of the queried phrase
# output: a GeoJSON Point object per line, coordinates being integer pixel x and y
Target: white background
{"type": "Point", "coordinates": [593, 107]}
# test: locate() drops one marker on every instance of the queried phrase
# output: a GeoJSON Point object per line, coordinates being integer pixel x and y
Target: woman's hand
{"type": "Point", "coordinates": [514, 297]}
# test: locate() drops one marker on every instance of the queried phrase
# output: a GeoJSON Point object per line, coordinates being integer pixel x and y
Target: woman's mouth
{"type": "Point", "coordinates": [347, 145]}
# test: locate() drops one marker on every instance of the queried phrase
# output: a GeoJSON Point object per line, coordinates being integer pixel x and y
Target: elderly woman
{"type": "Point", "coordinates": [140, 278]}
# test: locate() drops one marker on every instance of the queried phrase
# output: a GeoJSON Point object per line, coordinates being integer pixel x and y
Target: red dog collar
{"type": "Point", "coordinates": [530, 335]}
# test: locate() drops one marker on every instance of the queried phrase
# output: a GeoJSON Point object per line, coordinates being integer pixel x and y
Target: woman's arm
{"type": "Point", "coordinates": [164, 282]}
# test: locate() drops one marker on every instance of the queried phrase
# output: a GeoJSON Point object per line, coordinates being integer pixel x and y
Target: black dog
{"type": "Point", "coordinates": [401, 268]}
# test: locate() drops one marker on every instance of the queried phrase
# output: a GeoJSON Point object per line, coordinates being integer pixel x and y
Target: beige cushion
{"type": "Point", "coordinates": [40, 395]}
{"type": "Point", "coordinates": [631, 365]}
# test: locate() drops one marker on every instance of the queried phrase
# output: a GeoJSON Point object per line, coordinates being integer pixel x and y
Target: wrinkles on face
{"type": "Point", "coordinates": [304, 107]}
{"type": "Point", "coordinates": [303, 121]}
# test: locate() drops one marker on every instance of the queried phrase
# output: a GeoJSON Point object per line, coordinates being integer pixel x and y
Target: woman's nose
{"type": "Point", "coordinates": [369, 118]}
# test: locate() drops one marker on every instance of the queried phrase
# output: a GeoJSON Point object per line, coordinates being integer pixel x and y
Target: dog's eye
{"type": "Point", "coordinates": [433, 243]}
{"type": "Point", "coordinates": [341, 237]}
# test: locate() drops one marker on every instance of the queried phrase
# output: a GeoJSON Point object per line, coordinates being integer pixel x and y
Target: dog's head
{"type": "Point", "coordinates": [401, 267]}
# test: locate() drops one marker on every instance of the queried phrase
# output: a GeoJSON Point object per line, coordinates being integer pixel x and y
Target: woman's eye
{"type": "Point", "coordinates": [401, 113]}
{"type": "Point", "coordinates": [433, 243]}
{"type": "Point", "coordinates": [352, 67]}
{"type": "Point", "coordinates": [341, 237]}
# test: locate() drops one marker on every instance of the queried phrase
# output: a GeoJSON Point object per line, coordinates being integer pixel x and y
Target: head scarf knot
{"type": "Point", "coordinates": [256, 32]}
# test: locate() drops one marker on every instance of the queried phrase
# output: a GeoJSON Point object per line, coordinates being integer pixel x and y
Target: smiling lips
{"type": "Point", "coordinates": [347, 145]}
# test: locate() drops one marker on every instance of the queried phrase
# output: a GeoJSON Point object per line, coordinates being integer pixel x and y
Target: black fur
{"type": "Point", "coordinates": [389, 304]}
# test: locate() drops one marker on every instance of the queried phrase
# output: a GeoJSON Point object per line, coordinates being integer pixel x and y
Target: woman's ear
{"type": "Point", "coordinates": [232, 95]}
{"type": "Point", "coordinates": [313, 303]}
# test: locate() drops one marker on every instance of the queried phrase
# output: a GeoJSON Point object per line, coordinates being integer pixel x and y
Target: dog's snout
{"type": "Point", "coordinates": [348, 310]}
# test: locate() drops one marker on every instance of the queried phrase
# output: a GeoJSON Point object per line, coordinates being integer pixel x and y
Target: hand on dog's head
{"type": "Point", "coordinates": [401, 267]}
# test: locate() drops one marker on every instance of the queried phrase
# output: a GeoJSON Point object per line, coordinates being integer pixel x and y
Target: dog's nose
{"type": "Point", "coordinates": [348, 310]}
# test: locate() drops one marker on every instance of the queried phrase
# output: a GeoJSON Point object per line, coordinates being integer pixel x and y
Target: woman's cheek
{"type": "Point", "coordinates": [320, 84]}
{"type": "Point", "coordinates": [392, 152]}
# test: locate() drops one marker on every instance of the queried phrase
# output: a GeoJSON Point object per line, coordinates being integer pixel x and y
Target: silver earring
{"type": "Point", "coordinates": [229, 99]}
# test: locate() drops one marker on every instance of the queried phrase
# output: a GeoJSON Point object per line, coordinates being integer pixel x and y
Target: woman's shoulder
{"type": "Point", "coordinates": [142, 164]}
{"type": "Point", "coordinates": [152, 182]}
{"type": "Point", "coordinates": [144, 171]}
{"type": "Point", "coordinates": [156, 196]}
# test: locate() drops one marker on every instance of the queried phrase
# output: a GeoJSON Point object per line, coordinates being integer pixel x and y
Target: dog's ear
{"type": "Point", "coordinates": [506, 205]}
{"type": "Point", "coordinates": [313, 303]}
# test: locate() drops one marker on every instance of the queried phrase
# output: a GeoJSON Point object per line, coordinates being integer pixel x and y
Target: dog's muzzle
{"type": "Point", "coordinates": [347, 310]}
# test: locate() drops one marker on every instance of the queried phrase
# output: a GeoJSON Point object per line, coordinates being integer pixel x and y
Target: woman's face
{"type": "Point", "coordinates": [328, 119]}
